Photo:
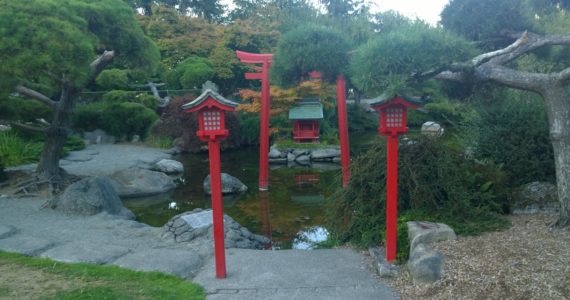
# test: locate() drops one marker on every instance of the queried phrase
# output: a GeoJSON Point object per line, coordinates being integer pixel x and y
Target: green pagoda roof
{"type": "Point", "coordinates": [307, 109]}
{"type": "Point", "coordinates": [204, 96]}
{"type": "Point", "coordinates": [386, 97]}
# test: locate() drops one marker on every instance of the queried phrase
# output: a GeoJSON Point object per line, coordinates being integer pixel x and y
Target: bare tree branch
{"type": "Point", "coordinates": [486, 56]}
{"type": "Point", "coordinates": [36, 95]}
{"type": "Point", "coordinates": [564, 76]}
{"type": "Point", "coordinates": [451, 76]}
{"type": "Point", "coordinates": [535, 82]}
{"type": "Point", "coordinates": [100, 63]}
{"type": "Point", "coordinates": [28, 127]}
{"type": "Point", "coordinates": [534, 42]}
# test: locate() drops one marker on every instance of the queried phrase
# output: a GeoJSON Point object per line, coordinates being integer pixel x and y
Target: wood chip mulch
{"type": "Point", "coordinates": [528, 261]}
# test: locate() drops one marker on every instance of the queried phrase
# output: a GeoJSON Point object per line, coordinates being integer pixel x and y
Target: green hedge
{"type": "Point", "coordinates": [514, 133]}
{"type": "Point", "coordinates": [121, 120]}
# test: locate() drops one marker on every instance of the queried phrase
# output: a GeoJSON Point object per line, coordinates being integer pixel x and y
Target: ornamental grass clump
{"type": "Point", "coordinates": [435, 183]}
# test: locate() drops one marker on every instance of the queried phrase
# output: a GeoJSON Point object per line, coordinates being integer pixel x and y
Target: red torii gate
{"type": "Point", "coordinates": [265, 59]}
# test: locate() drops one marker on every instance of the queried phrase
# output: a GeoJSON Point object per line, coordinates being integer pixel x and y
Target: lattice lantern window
{"type": "Point", "coordinates": [212, 120]}
{"type": "Point", "coordinates": [393, 114]}
{"type": "Point", "coordinates": [395, 117]}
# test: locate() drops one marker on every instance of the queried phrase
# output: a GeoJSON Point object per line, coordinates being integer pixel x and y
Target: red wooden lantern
{"type": "Point", "coordinates": [211, 108]}
{"type": "Point", "coordinates": [393, 114]}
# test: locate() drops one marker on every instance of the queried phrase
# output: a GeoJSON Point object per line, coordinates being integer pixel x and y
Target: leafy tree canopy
{"type": "Point", "coordinates": [481, 20]}
{"type": "Point", "coordinates": [45, 40]}
{"type": "Point", "coordinates": [386, 63]}
{"type": "Point", "coordinates": [310, 48]}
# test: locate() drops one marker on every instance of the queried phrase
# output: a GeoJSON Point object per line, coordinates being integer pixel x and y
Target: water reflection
{"type": "Point", "coordinates": [295, 200]}
{"type": "Point", "coordinates": [264, 217]}
{"type": "Point", "coordinates": [309, 238]}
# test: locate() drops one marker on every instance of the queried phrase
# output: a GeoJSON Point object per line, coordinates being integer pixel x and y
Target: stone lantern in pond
{"type": "Point", "coordinates": [211, 108]}
{"type": "Point", "coordinates": [393, 116]}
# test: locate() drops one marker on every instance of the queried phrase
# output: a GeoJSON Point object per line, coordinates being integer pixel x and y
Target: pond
{"type": "Point", "coordinates": [293, 205]}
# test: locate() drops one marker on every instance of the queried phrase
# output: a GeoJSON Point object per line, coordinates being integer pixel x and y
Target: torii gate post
{"type": "Point", "coordinates": [265, 60]}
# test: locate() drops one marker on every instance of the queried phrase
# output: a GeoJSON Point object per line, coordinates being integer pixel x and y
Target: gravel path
{"type": "Point", "coordinates": [528, 261]}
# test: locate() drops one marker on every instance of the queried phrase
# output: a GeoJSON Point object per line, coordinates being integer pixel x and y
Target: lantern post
{"type": "Point", "coordinates": [211, 108]}
{"type": "Point", "coordinates": [393, 117]}
{"type": "Point", "coordinates": [265, 60]}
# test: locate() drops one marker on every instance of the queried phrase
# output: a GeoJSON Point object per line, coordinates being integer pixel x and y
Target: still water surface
{"type": "Point", "coordinates": [294, 203]}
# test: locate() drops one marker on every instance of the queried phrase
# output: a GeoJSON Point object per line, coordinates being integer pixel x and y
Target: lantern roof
{"type": "Point", "coordinates": [307, 109]}
{"type": "Point", "coordinates": [209, 98]}
{"type": "Point", "coordinates": [388, 98]}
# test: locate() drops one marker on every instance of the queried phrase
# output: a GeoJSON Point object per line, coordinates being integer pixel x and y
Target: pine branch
{"type": "Point", "coordinates": [100, 63]}
{"type": "Point", "coordinates": [36, 95]}
{"type": "Point", "coordinates": [28, 127]}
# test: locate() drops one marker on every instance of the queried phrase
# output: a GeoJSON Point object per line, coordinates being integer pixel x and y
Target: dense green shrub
{"type": "Point", "coordinates": [359, 119]}
{"type": "Point", "coordinates": [514, 132]}
{"type": "Point", "coordinates": [306, 49]}
{"type": "Point", "coordinates": [248, 128]}
{"type": "Point", "coordinates": [127, 119]}
{"type": "Point", "coordinates": [434, 181]}
{"type": "Point", "coordinates": [121, 120]}
{"type": "Point", "coordinates": [118, 96]}
{"type": "Point", "coordinates": [113, 79]}
{"type": "Point", "coordinates": [87, 117]}
{"type": "Point", "coordinates": [15, 108]}
{"type": "Point", "coordinates": [385, 63]}
{"type": "Point", "coordinates": [73, 143]}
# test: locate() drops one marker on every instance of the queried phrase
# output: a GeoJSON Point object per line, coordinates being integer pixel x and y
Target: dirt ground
{"type": "Point", "coordinates": [528, 261]}
{"type": "Point", "coordinates": [18, 282]}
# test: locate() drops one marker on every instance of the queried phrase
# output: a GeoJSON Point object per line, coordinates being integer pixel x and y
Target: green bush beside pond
{"type": "Point", "coordinates": [436, 183]}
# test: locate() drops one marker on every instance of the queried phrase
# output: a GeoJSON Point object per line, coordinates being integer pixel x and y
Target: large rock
{"type": "Point", "coordinates": [275, 153]}
{"type": "Point", "coordinates": [183, 263]}
{"type": "Point", "coordinates": [425, 264]}
{"type": "Point", "coordinates": [138, 182]}
{"type": "Point", "coordinates": [168, 166]}
{"type": "Point", "coordinates": [198, 224]}
{"type": "Point", "coordinates": [230, 185]}
{"type": "Point", "coordinates": [427, 232]}
{"type": "Point", "coordinates": [91, 196]}
{"type": "Point", "coordinates": [25, 245]}
{"type": "Point", "coordinates": [325, 154]}
{"type": "Point", "coordinates": [432, 128]}
{"type": "Point", "coordinates": [83, 252]}
{"type": "Point", "coordinates": [536, 197]}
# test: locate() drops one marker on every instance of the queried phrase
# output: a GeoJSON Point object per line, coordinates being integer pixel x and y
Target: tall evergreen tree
{"type": "Point", "coordinates": [52, 49]}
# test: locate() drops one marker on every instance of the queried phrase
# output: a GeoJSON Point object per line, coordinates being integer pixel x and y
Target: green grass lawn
{"type": "Point", "coordinates": [35, 278]}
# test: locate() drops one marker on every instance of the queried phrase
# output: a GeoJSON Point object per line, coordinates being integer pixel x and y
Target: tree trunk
{"type": "Point", "coordinates": [56, 135]}
{"type": "Point", "coordinates": [557, 103]}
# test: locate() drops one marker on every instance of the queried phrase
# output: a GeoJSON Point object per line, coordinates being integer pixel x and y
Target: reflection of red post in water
{"type": "Point", "coordinates": [265, 219]}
